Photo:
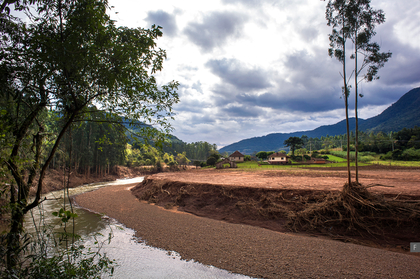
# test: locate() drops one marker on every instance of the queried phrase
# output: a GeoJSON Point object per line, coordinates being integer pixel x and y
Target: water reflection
{"type": "Point", "coordinates": [134, 258]}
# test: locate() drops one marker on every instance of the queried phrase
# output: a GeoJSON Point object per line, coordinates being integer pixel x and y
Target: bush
{"type": "Point", "coordinates": [411, 154]}
{"type": "Point", "coordinates": [387, 156]}
{"type": "Point", "coordinates": [211, 161]}
{"type": "Point", "coordinates": [365, 159]}
{"type": "Point", "coordinates": [315, 154]}
{"type": "Point", "coordinates": [367, 153]}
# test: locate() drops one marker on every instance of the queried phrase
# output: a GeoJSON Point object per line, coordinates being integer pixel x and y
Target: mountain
{"type": "Point", "coordinates": [404, 113]}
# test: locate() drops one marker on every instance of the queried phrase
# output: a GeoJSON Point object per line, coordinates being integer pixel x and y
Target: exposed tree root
{"type": "Point", "coordinates": [354, 214]}
{"type": "Point", "coordinates": [355, 210]}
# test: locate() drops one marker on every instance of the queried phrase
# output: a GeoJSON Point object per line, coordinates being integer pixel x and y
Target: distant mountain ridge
{"type": "Point", "coordinates": [405, 113]}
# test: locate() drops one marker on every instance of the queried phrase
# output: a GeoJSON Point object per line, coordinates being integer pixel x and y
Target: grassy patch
{"type": "Point", "coordinates": [336, 159]}
{"type": "Point", "coordinates": [254, 165]}
{"type": "Point", "coordinates": [397, 163]}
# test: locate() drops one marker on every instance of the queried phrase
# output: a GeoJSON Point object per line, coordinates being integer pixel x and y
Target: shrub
{"type": "Point", "coordinates": [411, 154]}
{"type": "Point", "coordinates": [211, 161]}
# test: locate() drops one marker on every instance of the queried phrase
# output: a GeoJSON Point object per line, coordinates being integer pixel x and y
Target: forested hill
{"type": "Point", "coordinates": [404, 113]}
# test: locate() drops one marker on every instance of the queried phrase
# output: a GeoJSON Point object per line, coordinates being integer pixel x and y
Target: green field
{"type": "Point", "coordinates": [336, 159]}
{"type": "Point", "coordinates": [252, 165]}
{"type": "Point", "coordinates": [397, 163]}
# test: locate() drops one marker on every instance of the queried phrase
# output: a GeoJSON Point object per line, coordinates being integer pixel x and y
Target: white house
{"type": "Point", "coordinates": [278, 159]}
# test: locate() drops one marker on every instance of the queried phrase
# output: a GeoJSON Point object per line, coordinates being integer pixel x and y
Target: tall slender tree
{"type": "Point", "coordinates": [337, 17]}
{"type": "Point", "coordinates": [363, 20]}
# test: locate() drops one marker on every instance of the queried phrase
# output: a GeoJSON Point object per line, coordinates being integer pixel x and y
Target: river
{"type": "Point", "coordinates": [134, 258]}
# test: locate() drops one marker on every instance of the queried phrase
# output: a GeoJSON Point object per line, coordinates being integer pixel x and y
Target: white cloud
{"type": "Point", "coordinates": [249, 68]}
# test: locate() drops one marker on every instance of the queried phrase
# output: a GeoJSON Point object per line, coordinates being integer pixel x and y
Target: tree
{"type": "Point", "coordinates": [182, 159]}
{"type": "Point", "coordinates": [213, 158]}
{"type": "Point", "coordinates": [294, 143]}
{"type": "Point", "coordinates": [211, 161]}
{"type": "Point", "coordinates": [262, 155]}
{"type": "Point", "coordinates": [337, 17]}
{"type": "Point", "coordinates": [362, 20]}
{"type": "Point", "coordinates": [70, 57]}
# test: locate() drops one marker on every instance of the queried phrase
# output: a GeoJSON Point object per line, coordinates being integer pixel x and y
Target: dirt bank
{"type": "Point", "coordinates": [55, 179]}
{"type": "Point", "coordinates": [244, 249]}
{"type": "Point", "coordinates": [266, 198]}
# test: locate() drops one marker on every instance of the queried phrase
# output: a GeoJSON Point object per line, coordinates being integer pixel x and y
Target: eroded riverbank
{"type": "Point", "coordinates": [246, 249]}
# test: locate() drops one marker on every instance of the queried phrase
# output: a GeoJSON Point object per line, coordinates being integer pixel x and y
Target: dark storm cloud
{"type": "Point", "coordinates": [238, 75]}
{"type": "Point", "coordinates": [241, 111]}
{"type": "Point", "coordinates": [296, 101]}
{"type": "Point", "coordinates": [202, 119]}
{"type": "Point", "coordinates": [398, 76]}
{"type": "Point", "coordinates": [310, 86]}
{"type": "Point", "coordinates": [164, 19]}
{"type": "Point", "coordinates": [215, 30]}
{"type": "Point", "coordinates": [403, 67]}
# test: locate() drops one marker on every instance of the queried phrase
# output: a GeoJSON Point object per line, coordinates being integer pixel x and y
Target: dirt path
{"type": "Point", "coordinates": [244, 249]}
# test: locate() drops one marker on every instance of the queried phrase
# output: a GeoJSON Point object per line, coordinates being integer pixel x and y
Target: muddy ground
{"type": "Point", "coordinates": [266, 198]}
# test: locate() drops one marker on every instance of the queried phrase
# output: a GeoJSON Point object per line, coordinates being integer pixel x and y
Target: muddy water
{"type": "Point", "coordinates": [134, 258]}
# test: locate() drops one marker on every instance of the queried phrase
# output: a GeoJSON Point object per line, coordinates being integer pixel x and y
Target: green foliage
{"type": "Point", "coordinates": [211, 161]}
{"type": "Point", "coordinates": [294, 143]}
{"type": "Point", "coordinates": [262, 155]}
{"type": "Point", "coordinates": [81, 265]}
{"type": "Point", "coordinates": [336, 159]}
{"type": "Point", "coordinates": [315, 154]}
{"type": "Point", "coordinates": [410, 154]}
{"type": "Point", "coordinates": [181, 159]}
{"type": "Point", "coordinates": [65, 215]}
{"type": "Point", "coordinates": [213, 158]}
{"type": "Point", "coordinates": [56, 66]}
{"type": "Point", "coordinates": [296, 158]}
{"type": "Point", "coordinates": [194, 151]}
{"type": "Point", "coordinates": [47, 257]}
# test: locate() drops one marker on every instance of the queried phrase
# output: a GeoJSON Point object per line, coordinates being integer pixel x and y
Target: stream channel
{"type": "Point", "coordinates": [134, 258]}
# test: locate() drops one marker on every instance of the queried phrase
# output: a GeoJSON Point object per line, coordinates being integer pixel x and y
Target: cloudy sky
{"type": "Point", "coordinates": [249, 68]}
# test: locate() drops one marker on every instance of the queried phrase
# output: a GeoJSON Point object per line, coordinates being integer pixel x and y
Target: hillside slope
{"type": "Point", "coordinates": [404, 113]}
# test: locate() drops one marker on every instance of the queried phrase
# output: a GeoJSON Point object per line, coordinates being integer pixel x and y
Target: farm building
{"type": "Point", "coordinates": [278, 159]}
{"type": "Point", "coordinates": [319, 161]}
{"type": "Point", "coordinates": [237, 156]}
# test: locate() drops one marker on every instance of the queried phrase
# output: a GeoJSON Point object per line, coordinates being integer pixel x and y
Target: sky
{"type": "Point", "coordinates": [248, 68]}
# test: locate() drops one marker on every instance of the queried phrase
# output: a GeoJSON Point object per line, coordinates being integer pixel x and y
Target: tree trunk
{"type": "Point", "coordinates": [346, 98]}
{"type": "Point", "coordinates": [356, 144]}
{"type": "Point", "coordinates": [14, 236]}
